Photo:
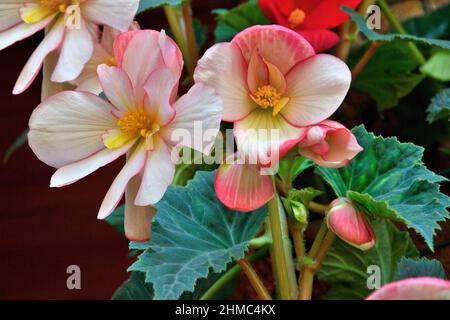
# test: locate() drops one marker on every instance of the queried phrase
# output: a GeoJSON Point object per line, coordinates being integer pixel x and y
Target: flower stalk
{"type": "Point", "coordinates": [254, 279]}
{"type": "Point", "coordinates": [190, 37]}
{"type": "Point", "coordinates": [364, 60]}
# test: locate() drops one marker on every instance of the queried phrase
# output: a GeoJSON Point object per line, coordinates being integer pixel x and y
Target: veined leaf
{"type": "Point", "coordinates": [410, 268]}
{"type": "Point", "coordinates": [192, 234]}
{"type": "Point", "coordinates": [389, 179]}
{"type": "Point", "coordinates": [439, 107]}
{"type": "Point", "coordinates": [438, 66]}
{"type": "Point", "coordinates": [151, 4]}
{"type": "Point", "coordinates": [347, 270]}
{"type": "Point", "coordinates": [231, 22]}
{"type": "Point", "coordinates": [134, 288]}
{"type": "Point", "coordinates": [373, 36]}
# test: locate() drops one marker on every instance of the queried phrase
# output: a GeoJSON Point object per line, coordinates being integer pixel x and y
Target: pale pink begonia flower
{"type": "Point", "coordinates": [79, 132]}
{"type": "Point", "coordinates": [421, 288]}
{"type": "Point", "coordinates": [329, 144]}
{"type": "Point", "coordinates": [72, 27]}
{"type": "Point", "coordinates": [272, 84]}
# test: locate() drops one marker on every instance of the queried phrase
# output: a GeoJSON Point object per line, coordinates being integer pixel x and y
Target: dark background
{"type": "Point", "coordinates": [44, 230]}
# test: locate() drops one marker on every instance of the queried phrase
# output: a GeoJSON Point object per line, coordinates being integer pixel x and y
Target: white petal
{"type": "Point", "coordinates": [118, 14]}
{"type": "Point", "coordinates": [68, 127]}
{"type": "Point", "coordinates": [22, 31]}
{"type": "Point", "coordinates": [51, 41]}
{"type": "Point", "coordinates": [316, 88]}
{"type": "Point", "coordinates": [76, 51]}
{"type": "Point", "coordinates": [158, 175]}
{"type": "Point", "coordinates": [134, 165]}
{"type": "Point", "coordinates": [9, 14]}
{"type": "Point", "coordinates": [117, 87]}
{"type": "Point", "coordinates": [80, 169]}
{"type": "Point", "coordinates": [197, 120]}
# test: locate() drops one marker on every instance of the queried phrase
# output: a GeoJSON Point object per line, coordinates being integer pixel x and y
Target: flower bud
{"type": "Point", "coordinates": [349, 224]}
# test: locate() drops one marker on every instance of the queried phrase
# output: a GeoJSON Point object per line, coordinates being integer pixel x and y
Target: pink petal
{"type": "Point", "coordinates": [121, 44]}
{"type": "Point", "coordinates": [118, 14]}
{"type": "Point", "coordinates": [316, 88]}
{"type": "Point", "coordinates": [257, 74]}
{"type": "Point", "coordinates": [75, 171]}
{"type": "Point", "coordinates": [265, 138]}
{"type": "Point", "coordinates": [241, 187]}
{"type": "Point", "coordinates": [173, 58]}
{"type": "Point", "coordinates": [77, 49]}
{"type": "Point", "coordinates": [422, 288]}
{"type": "Point", "coordinates": [22, 31]}
{"type": "Point", "coordinates": [159, 171]}
{"type": "Point", "coordinates": [197, 120]}
{"type": "Point", "coordinates": [9, 14]}
{"type": "Point", "coordinates": [160, 87]}
{"type": "Point", "coordinates": [320, 39]}
{"type": "Point", "coordinates": [223, 68]}
{"type": "Point", "coordinates": [51, 41]}
{"type": "Point", "coordinates": [279, 45]}
{"type": "Point", "coordinates": [68, 127]}
{"type": "Point", "coordinates": [138, 219]}
{"type": "Point", "coordinates": [117, 87]}
{"type": "Point", "coordinates": [134, 165]}
{"type": "Point", "coordinates": [142, 56]}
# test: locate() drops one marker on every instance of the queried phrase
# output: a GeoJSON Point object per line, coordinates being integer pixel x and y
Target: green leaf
{"type": "Point", "coordinates": [346, 268]}
{"type": "Point", "coordinates": [193, 233]}
{"type": "Point", "coordinates": [373, 36]}
{"type": "Point", "coordinates": [292, 165]}
{"type": "Point", "coordinates": [389, 179]}
{"type": "Point", "coordinates": [410, 268]}
{"type": "Point", "coordinates": [152, 4]}
{"type": "Point", "coordinates": [134, 288]}
{"type": "Point", "coordinates": [237, 19]}
{"type": "Point", "coordinates": [434, 24]}
{"type": "Point", "coordinates": [20, 141]}
{"type": "Point", "coordinates": [389, 75]}
{"type": "Point", "coordinates": [305, 195]}
{"type": "Point", "coordinates": [438, 66]}
{"type": "Point", "coordinates": [439, 107]}
{"type": "Point", "coordinates": [116, 218]}
{"type": "Point", "coordinates": [201, 32]}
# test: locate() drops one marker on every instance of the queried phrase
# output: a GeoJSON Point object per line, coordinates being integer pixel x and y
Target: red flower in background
{"type": "Point", "coordinates": [310, 18]}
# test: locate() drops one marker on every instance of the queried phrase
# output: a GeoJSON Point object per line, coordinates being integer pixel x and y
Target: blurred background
{"type": "Point", "coordinates": [43, 230]}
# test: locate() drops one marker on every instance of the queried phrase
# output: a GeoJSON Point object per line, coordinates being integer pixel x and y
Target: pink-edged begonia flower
{"type": "Point", "coordinates": [273, 85]}
{"type": "Point", "coordinates": [421, 288]}
{"type": "Point", "coordinates": [349, 224]}
{"type": "Point", "coordinates": [72, 28]}
{"type": "Point", "coordinates": [310, 18]}
{"type": "Point", "coordinates": [103, 54]}
{"type": "Point", "coordinates": [79, 132]}
{"type": "Point", "coordinates": [329, 144]}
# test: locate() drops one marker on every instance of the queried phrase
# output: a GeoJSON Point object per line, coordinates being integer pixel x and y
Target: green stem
{"type": "Point", "coordinates": [399, 28]}
{"type": "Point", "coordinates": [180, 36]}
{"type": "Point", "coordinates": [262, 241]}
{"type": "Point", "coordinates": [190, 37]}
{"type": "Point", "coordinates": [281, 251]}
{"type": "Point", "coordinates": [231, 274]}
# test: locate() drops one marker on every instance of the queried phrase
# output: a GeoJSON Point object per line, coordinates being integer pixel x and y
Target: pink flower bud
{"type": "Point", "coordinates": [349, 224]}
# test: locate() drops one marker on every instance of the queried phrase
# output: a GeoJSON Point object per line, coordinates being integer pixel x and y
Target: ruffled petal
{"type": "Point", "coordinates": [118, 14]}
{"type": "Point", "coordinates": [421, 288]}
{"type": "Point", "coordinates": [68, 127]}
{"type": "Point", "coordinates": [223, 68]}
{"type": "Point", "coordinates": [75, 171]}
{"type": "Point", "coordinates": [51, 41]}
{"type": "Point", "coordinates": [76, 51]}
{"type": "Point", "coordinates": [327, 14]}
{"type": "Point", "coordinates": [173, 58]}
{"type": "Point", "coordinates": [134, 165]}
{"type": "Point", "coordinates": [264, 138]}
{"type": "Point", "coordinates": [138, 219]}
{"type": "Point", "coordinates": [257, 74]}
{"type": "Point", "coordinates": [316, 88]}
{"type": "Point", "coordinates": [197, 120]}
{"type": "Point", "coordinates": [278, 45]}
{"type": "Point", "coordinates": [241, 187]}
{"type": "Point", "coordinates": [320, 39]}
{"type": "Point", "coordinates": [9, 14]}
{"type": "Point", "coordinates": [117, 87]}
{"type": "Point", "coordinates": [159, 171]}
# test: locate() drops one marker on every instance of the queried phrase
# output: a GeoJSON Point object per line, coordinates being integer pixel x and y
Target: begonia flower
{"type": "Point", "coordinates": [71, 27]}
{"type": "Point", "coordinates": [310, 18]}
{"type": "Point", "coordinates": [329, 144]}
{"type": "Point", "coordinates": [273, 86]}
{"type": "Point", "coordinates": [79, 132]}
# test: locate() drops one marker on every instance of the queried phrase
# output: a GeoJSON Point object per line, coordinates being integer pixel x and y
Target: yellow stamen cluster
{"type": "Point", "coordinates": [137, 123]}
{"type": "Point", "coordinates": [267, 96]}
{"type": "Point", "coordinates": [112, 62]}
{"type": "Point", "coordinates": [296, 18]}
{"type": "Point", "coordinates": [53, 4]}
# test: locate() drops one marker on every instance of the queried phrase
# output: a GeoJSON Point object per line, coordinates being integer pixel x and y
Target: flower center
{"type": "Point", "coordinates": [267, 96]}
{"type": "Point", "coordinates": [296, 18]}
{"type": "Point", "coordinates": [137, 123]}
